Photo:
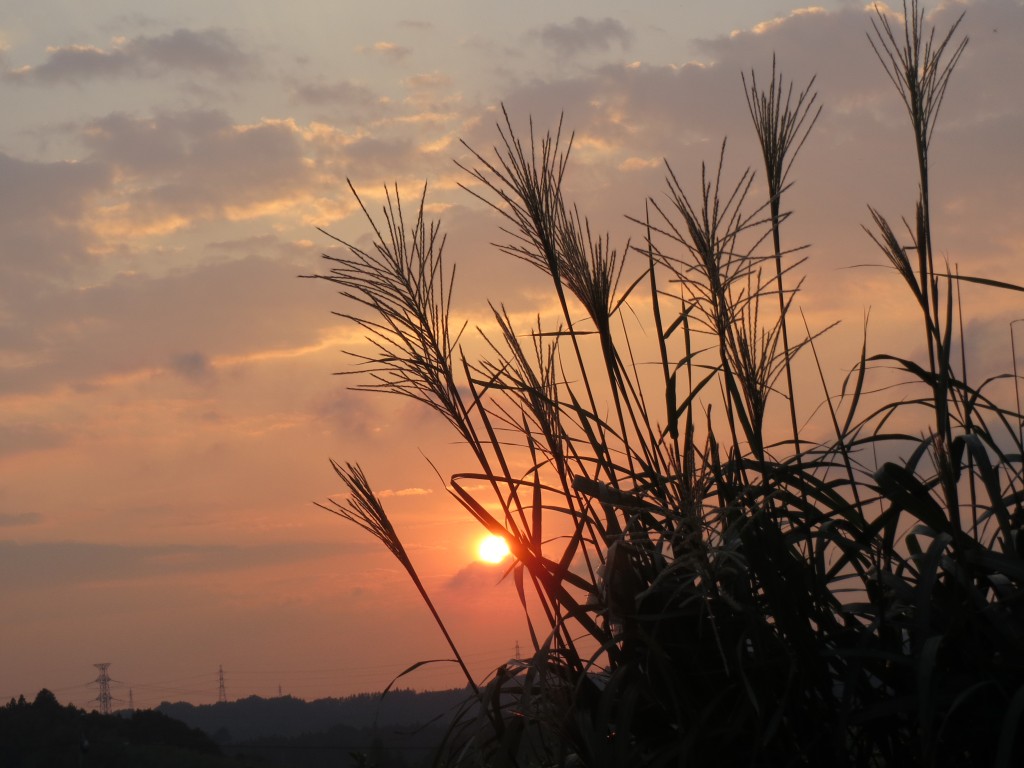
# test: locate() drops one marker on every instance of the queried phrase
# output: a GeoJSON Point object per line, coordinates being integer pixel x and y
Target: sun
{"type": "Point", "coordinates": [492, 549]}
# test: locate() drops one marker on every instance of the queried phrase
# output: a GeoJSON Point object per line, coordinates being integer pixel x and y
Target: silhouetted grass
{"type": "Point", "coordinates": [718, 595]}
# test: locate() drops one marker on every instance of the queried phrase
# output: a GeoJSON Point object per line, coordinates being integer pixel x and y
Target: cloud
{"type": "Point", "coordinates": [765, 26]}
{"type": "Point", "coordinates": [66, 229]}
{"type": "Point", "coordinates": [44, 564]}
{"type": "Point", "coordinates": [21, 438]}
{"type": "Point", "coordinates": [209, 51]}
{"type": "Point", "coordinates": [43, 237]}
{"type": "Point", "coordinates": [341, 93]}
{"type": "Point", "coordinates": [17, 519]}
{"type": "Point", "coordinates": [138, 323]}
{"type": "Point", "coordinates": [372, 159]}
{"type": "Point", "coordinates": [427, 81]}
{"type": "Point", "coordinates": [583, 35]}
{"type": "Point", "coordinates": [405, 492]}
{"type": "Point", "coordinates": [639, 163]}
{"type": "Point", "coordinates": [415, 24]}
{"type": "Point", "coordinates": [192, 365]}
{"type": "Point", "coordinates": [683, 112]}
{"type": "Point", "coordinates": [175, 168]}
{"type": "Point", "coordinates": [386, 49]}
{"type": "Point", "coordinates": [178, 169]}
{"type": "Point", "coordinates": [477, 576]}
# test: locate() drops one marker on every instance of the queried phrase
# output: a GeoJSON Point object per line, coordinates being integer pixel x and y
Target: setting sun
{"type": "Point", "coordinates": [493, 549]}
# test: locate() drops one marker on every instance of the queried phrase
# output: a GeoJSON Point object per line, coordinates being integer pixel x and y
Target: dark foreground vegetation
{"type": "Point", "coordinates": [704, 589]}
{"type": "Point", "coordinates": [342, 745]}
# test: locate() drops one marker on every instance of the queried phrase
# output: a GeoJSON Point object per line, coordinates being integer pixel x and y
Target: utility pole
{"type": "Point", "coordinates": [222, 696]}
{"type": "Point", "coordinates": [104, 698]}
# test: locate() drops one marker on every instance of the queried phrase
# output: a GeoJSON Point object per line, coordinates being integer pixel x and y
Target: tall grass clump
{"type": "Point", "coordinates": [699, 590]}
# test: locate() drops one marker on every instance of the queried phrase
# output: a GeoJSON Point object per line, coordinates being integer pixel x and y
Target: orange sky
{"type": "Point", "coordinates": [167, 408]}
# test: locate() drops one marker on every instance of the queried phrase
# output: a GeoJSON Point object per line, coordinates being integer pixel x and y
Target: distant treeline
{"type": "Point", "coordinates": [400, 730]}
{"type": "Point", "coordinates": [285, 716]}
{"type": "Point", "coordinates": [45, 734]}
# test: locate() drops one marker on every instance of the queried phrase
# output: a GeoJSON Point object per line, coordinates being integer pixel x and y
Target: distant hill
{"type": "Point", "coordinates": [45, 733]}
{"type": "Point", "coordinates": [287, 717]}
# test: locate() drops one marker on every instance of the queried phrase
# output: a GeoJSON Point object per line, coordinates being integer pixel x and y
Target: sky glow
{"type": "Point", "coordinates": [167, 409]}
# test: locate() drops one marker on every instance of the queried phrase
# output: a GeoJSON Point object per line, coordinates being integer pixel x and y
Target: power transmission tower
{"type": "Point", "coordinates": [131, 701]}
{"type": "Point", "coordinates": [104, 698]}
{"type": "Point", "coordinates": [222, 696]}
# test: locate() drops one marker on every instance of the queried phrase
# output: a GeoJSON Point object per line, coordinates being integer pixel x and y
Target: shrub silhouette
{"type": "Point", "coordinates": [724, 596]}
